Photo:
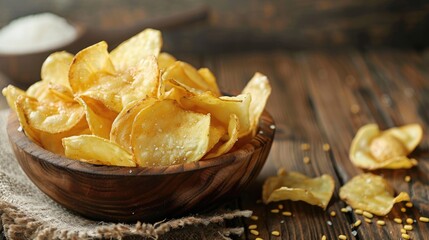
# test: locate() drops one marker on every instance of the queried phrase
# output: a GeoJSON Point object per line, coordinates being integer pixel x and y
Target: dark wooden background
{"type": "Point", "coordinates": [325, 59]}
{"type": "Point", "coordinates": [249, 24]}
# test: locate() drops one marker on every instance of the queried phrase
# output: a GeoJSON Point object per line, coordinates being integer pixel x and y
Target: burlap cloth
{"type": "Point", "coordinates": [27, 213]}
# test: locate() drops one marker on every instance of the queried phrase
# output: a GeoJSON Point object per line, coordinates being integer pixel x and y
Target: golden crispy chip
{"type": "Point", "coordinates": [122, 126]}
{"type": "Point", "coordinates": [165, 60]}
{"type": "Point", "coordinates": [164, 134]}
{"type": "Point", "coordinates": [55, 68]}
{"type": "Point", "coordinates": [132, 51]}
{"type": "Point", "coordinates": [49, 141]}
{"type": "Point", "coordinates": [374, 149]}
{"type": "Point", "coordinates": [210, 79]}
{"type": "Point", "coordinates": [98, 116]}
{"type": "Point", "coordinates": [51, 118]}
{"type": "Point", "coordinates": [187, 75]}
{"type": "Point", "coordinates": [221, 108]}
{"type": "Point", "coordinates": [31, 133]}
{"type": "Point", "coordinates": [97, 150]}
{"type": "Point", "coordinates": [371, 193]}
{"type": "Point", "coordinates": [217, 131]}
{"type": "Point", "coordinates": [298, 187]}
{"type": "Point", "coordinates": [100, 81]}
{"type": "Point", "coordinates": [143, 81]}
{"type": "Point", "coordinates": [53, 142]}
{"type": "Point", "coordinates": [11, 94]}
{"type": "Point", "coordinates": [260, 89]}
{"type": "Point", "coordinates": [61, 92]}
{"type": "Point", "coordinates": [233, 130]}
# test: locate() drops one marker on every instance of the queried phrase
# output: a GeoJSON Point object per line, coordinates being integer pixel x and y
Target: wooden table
{"type": "Point", "coordinates": [324, 97]}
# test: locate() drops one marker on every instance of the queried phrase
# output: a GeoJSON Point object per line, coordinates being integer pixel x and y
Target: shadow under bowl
{"type": "Point", "coordinates": [126, 194]}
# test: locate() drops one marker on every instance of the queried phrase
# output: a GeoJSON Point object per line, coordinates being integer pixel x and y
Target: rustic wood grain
{"type": "Point", "coordinates": [145, 194]}
{"type": "Point", "coordinates": [324, 97]}
{"type": "Point", "coordinates": [320, 97]}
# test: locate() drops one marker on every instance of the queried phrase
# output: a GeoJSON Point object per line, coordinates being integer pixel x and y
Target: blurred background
{"type": "Point", "coordinates": [212, 26]}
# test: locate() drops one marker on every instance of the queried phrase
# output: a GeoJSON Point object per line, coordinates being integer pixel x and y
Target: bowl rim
{"type": "Point", "coordinates": [266, 130]}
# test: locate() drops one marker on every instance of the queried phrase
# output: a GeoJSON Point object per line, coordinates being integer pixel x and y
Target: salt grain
{"type": "Point", "coordinates": [35, 33]}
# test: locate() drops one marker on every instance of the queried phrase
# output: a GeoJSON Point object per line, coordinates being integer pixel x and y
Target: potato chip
{"type": "Point", "coordinates": [99, 80]}
{"type": "Point", "coordinates": [374, 149]}
{"type": "Point", "coordinates": [187, 75]}
{"type": "Point", "coordinates": [98, 116]}
{"type": "Point", "coordinates": [221, 108]}
{"type": "Point", "coordinates": [217, 131]}
{"type": "Point", "coordinates": [11, 94]}
{"type": "Point", "coordinates": [31, 133]}
{"type": "Point", "coordinates": [122, 126]}
{"type": "Point", "coordinates": [210, 79]}
{"type": "Point", "coordinates": [61, 92]}
{"type": "Point", "coordinates": [260, 89]}
{"type": "Point", "coordinates": [51, 118]}
{"type": "Point", "coordinates": [55, 68]}
{"type": "Point", "coordinates": [233, 130]}
{"type": "Point", "coordinates": [371, 193]}
{"type": "Point", "coordinates": [298, 187]}
{"type": "Point", "coordinates": [164, 134]}
{"type": "Point", "coordinates": [132, 51]}
{"type": "Point", "coordinates": [165, 60]}
{"type": "Point", "coordinates": [97, 150]}
{"type": "Point", "coordinates": [53, 142]}
{"type": "Point", "coordinates": [143, 83]}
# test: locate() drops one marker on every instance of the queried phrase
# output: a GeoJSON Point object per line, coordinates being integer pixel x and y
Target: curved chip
{"type": "Point", "coordinates": [259, 88]}
{"type": "Point", "coordinates": [97, 150]}
{"type": "Point", "coordinates": [122, 125]}
{"type": "Point", "coordinates": [374, 149]}
{"type": "Point", "coordinates": [298, 187]}
{"type": "Point", "coordinates": [233, 130]}
{"type": "Point", "coordinates": [55, 68]}
{"type": "Point", "coordinates": [221, 108]}
{"type": "Point", "coordinates": [98, 116]}
{"type": "Point", "coordinates": [165, 60]}
{"type": "Point", "coordinates": [132, 51]}
{"type": "Point", "coordinates": [186, 74]}
{"type": "Point", "coordinates": [210, 79]}
{"type": "Point", "coordinates": [51, 118]}
{"type": "Point", "coordinates": [371, 193]}
{"type": "Point", "coordinates": [164, 134]}
{"type": "Point", "coordinates": [11, 94]}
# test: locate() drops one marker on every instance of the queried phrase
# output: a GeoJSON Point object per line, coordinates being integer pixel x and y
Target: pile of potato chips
{"type": "Point", "coordinates": [134, 106]}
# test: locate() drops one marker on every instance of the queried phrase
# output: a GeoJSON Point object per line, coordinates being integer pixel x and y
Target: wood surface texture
{"type": "Point", "coordinates": [248, 24]}
{"type": "Point", "coordinates": [315, 98]}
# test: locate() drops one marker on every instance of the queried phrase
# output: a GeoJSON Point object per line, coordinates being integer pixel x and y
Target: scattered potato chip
{"type": "Point", "coordinates": [298, 187]}
{"type": "Point", "coordinates": [371, 193]}
{"type": "Point", "coordinates": [165, 134]}
{"type": "Point", "coordinates": [373, 149]}
{"type": "Point", "coordinates": [210, 79]}
{"type": "Point", "coordinates": [260, 89]}
{"type": "Point", "coordinates": [96, 150]}
{"type": "Point", "coordinates": [55, 68]}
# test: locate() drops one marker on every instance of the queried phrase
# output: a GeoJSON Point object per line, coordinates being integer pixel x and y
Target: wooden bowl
{"type": "Point", "coordinates": [147, 194]}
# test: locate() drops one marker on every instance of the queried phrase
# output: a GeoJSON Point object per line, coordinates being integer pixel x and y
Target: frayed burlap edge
{"type": "Point", "coordinates": [17, 225]}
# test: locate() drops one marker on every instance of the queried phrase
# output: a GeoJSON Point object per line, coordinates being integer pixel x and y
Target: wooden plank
{"type": "Point", "coordinates": [296, 124]}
